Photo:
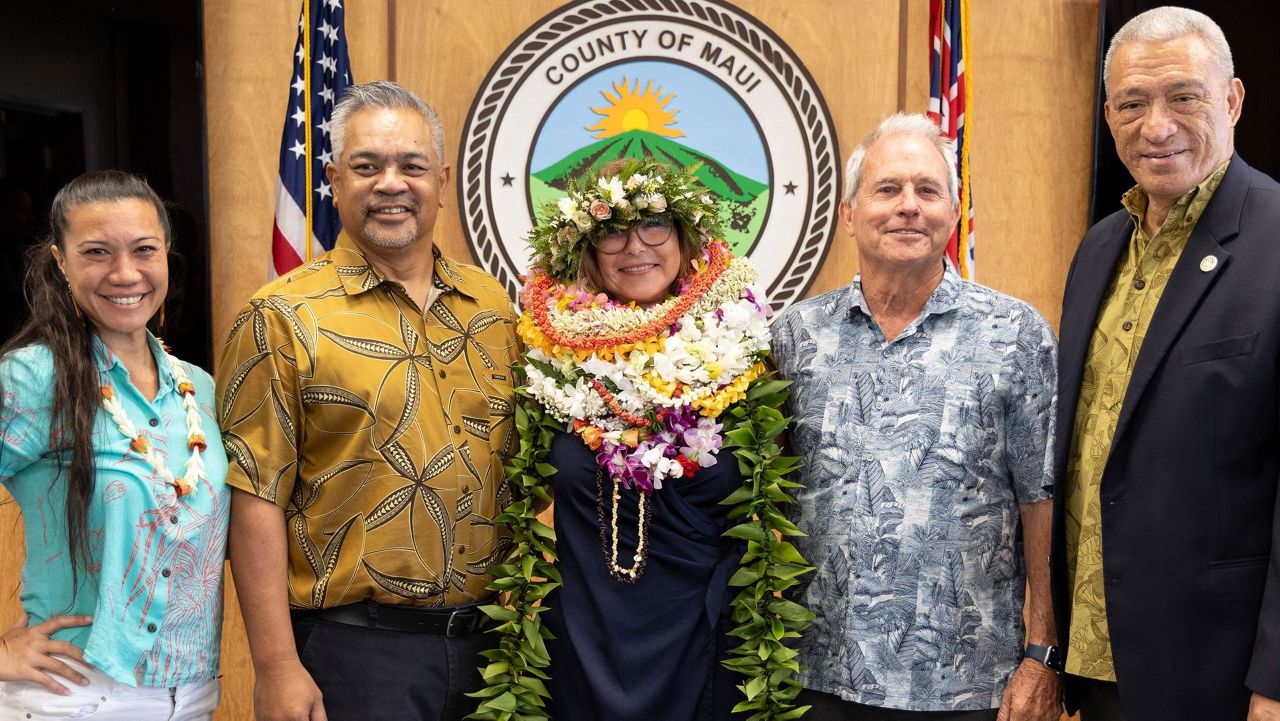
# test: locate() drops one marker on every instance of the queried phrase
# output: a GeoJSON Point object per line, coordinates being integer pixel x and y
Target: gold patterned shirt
{"type": "Point", "coordinates": [380, 430]}
{"type": "Point", "coordinates": [1123, 319]}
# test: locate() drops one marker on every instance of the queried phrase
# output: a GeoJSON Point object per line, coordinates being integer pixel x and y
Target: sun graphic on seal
{"type": "Point", "coordinates": [631, 109]}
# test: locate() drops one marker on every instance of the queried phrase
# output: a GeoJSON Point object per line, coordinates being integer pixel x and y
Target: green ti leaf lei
{"type": "Point", "coordinates": [765, 622]}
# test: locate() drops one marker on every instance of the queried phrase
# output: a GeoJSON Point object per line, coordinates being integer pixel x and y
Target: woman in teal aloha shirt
{"type": "Point", "coordinates": [111, 448]}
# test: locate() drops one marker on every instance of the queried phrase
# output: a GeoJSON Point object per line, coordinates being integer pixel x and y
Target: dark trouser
{"type": "Point", "coordinates": [375, 674]}
{"type": "Point", "coordinates": [828, 707]}
{"type": "Point", "coordinates": [1099, 700]}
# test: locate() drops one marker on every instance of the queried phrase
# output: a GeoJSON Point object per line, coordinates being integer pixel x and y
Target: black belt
{"type": "Point", "coordinates": [449, 622]}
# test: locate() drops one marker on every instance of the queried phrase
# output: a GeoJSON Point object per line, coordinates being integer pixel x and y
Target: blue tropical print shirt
{"type": "Point", "coordinates": [154, 579]}
{"type": "Point", "coordinates": [916, 455]}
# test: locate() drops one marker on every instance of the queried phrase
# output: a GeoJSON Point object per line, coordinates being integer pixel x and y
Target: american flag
{"type": "Point", "coordinates": [306, 222]}
{"type": "Point", "coordinates": [948, 107]}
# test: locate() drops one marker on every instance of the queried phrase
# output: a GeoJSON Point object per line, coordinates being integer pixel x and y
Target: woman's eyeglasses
{"type": "Point", "coordinates": [652, 231]}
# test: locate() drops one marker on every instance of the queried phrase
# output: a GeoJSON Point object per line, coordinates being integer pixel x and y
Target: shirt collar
{"type": "Point", "coordinates": [945, 298]}
{"type": "Point", "coordinates": [109, 364]}
{"type": "Point", "coordinates": [1189, 207]}
{"type": "Point", "coordinates": [358, 275]}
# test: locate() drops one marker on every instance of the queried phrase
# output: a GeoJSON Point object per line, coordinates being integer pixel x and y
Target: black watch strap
{"type": "Point", "coordinates": [1047, 655]}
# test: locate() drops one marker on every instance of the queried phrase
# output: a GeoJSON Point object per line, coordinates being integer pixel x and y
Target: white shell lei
{"type": "Point", "coordinates": [142, 446]}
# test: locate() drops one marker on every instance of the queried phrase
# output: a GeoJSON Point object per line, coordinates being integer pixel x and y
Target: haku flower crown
{"type": "Point", "coordinates": [644, 188]}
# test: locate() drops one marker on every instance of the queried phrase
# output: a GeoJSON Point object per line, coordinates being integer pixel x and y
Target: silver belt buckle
{"type": "Point", "coordinates": [466, 626]}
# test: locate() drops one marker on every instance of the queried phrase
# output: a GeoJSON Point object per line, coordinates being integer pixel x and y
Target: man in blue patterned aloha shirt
{"type": "Point", "coordinates": [924, 410]}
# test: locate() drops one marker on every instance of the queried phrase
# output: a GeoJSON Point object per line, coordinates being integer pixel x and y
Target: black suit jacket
{"type": "Point", "coordinates": [1190, 523]}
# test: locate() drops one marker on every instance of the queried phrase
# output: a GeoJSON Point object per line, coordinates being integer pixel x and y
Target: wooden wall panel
{"type": "Point", "coordinates": [1032, 144]}
{"type": "Point", "coordinates": [1032, 117]}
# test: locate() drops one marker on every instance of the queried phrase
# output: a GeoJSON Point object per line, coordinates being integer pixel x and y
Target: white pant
{"type": "Point", "coordinates": [104, 699]}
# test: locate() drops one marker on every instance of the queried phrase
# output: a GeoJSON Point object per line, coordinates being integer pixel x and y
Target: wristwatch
{"type": "Point", "coordinates": [1047, 655]}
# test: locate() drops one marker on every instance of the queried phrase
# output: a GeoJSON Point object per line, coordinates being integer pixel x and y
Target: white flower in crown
{"type": "Point", "coordinates": [635, 181]}
{"type": "Point", "coordinates": [612, 189]}
{"type": "Point", "coordinates": [567, 206]}
{"type": "Point", "coordinates": [582, 219]}
{"type": "Point", "coordinates": [657, 202]}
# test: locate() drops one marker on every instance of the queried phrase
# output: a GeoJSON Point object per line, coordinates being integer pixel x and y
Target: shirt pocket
{"type": "Point", "coordinates": [1219, 349]}
{"type": "Point", "coordinates": [501, 401]}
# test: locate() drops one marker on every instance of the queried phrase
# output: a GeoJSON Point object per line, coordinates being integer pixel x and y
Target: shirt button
{"type": "Point", "coordinates": [868, 458]}
{"type": "Point", "coordinates": [173, 518]}
{"type": "Point", "coordinates": [166, 573]}
{"type": "Point", "coordinates": [1139, 284]}
{"type": "Point", "coordinates": [1127, 325]}
{"type": "Point", "coordinates": [151, 628]}
{"type": "Point", "coordinates": [457, 429]}
{"type": "Point", "coordinates": [442, 374]}
{"type": "Point", "coordinates": [154, 422]}
{"type": "Point", "coordinates": [879, 405]}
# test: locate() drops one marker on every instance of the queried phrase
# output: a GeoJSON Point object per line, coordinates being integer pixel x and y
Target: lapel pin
{"type": "Point", "coordinates": [1209, 263]}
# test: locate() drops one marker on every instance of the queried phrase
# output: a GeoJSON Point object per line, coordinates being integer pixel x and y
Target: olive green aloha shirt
{"type": "Point", "coordinates": [380, 430]}
{"type": "Point", "coordinates": [1126, 313]}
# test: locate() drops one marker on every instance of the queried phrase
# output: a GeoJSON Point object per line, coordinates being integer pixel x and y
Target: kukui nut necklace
{"type": "Point", "coordinates": [609, 546]}
{"type": "Point", "coordinates": [141, 445]}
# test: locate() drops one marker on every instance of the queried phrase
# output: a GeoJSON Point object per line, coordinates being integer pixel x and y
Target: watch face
{"type": "Point", "coordinates": [1048, 655]}
{"type": "Point", "coordinates": [1052, 659]}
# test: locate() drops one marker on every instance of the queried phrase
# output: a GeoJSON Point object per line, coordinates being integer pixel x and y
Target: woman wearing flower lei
{"type": "Point", "coordinates": [109, 446]}
{"type": "Point", "coordinates": [647, 416]}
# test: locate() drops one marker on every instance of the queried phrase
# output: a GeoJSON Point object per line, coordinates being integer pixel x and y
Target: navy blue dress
{"type": "Point", "coordinates": [649, 650]}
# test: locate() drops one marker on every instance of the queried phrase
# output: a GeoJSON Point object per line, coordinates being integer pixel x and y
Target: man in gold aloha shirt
{"type": "Point", "coordinates": [366, 400]}
{"type": "Point", "coordinates": [1165, 577]}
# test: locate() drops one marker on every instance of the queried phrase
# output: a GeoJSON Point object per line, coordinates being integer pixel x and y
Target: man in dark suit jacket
{"type": "Point", "coordinates": [1166, 546]}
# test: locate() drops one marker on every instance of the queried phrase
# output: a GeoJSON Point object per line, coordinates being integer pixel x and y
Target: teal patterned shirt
{"type": "Point", "coordinates": [154, 577]}
{"type": "Point", "coordinates": [916, 455]}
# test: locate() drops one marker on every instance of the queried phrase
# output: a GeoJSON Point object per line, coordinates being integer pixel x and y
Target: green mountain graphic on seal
{"type": "Point", "coordinates": [743, 200]}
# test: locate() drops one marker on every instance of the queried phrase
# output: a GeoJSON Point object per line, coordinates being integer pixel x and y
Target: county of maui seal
{"type": "Point", "coordinates": [696, 81]}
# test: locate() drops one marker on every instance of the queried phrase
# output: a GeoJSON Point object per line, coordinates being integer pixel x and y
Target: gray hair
{"type": "Point", "coordinates": [1167, 23]}
{"type": "Point", "coordinates": [902, 124]}
{"type": "Point", "coordinates": [381, 94]}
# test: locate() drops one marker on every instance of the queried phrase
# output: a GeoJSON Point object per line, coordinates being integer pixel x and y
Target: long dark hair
{"type": "Point", "coordinates": [56, 323]}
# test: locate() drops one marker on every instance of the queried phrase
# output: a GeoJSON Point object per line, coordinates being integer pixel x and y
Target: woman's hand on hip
{"type": "Point", "coordinates": [27, 653]}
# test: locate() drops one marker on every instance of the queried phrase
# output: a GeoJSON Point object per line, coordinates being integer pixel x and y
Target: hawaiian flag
{"type": "Point", "coordinates": [948, 107]}
{"type": "Point", "coordinates": [306, 222]}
